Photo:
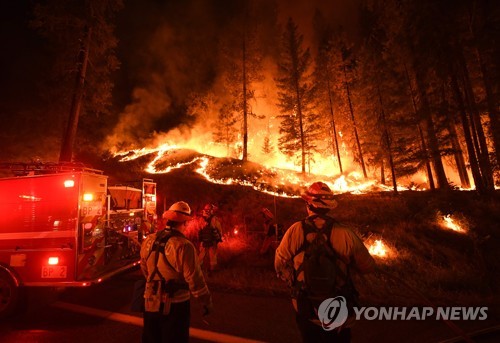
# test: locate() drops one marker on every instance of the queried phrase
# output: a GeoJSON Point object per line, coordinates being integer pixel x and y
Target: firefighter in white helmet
{"type": "Point", "coordinates": [173, 274]}
{"type": "Point", "coordinates": [210, 235]}
{"type": "Point", "coordinates": [315, 258]}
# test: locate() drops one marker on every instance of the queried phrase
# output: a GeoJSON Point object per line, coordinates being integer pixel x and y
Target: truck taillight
{"type": "Point", "coordinates": [153, 198]}
{"type": "Point", "coordinates": [88, 197]}
{"type": "Point", "coordinates": [69, 183]}
{"type": "Point", "coordinates": [53, 261]}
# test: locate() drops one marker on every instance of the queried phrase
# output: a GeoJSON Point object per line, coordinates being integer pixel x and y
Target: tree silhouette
{"type": "Point", "coordinates": [299, 127]}
{"type": "Point", "coordinates": [83, 29]}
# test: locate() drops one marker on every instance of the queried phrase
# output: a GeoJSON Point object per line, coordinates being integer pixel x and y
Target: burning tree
{"type": "Point", "coordinates": [326, 73]}
{"type": "Point", "coordinates": [300, 125]}
{"type": "Point", "coordinates": [242, 66]}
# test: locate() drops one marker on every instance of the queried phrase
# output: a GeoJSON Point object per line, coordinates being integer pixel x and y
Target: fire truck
{"type": "Point", "coordinates": [61, 225]}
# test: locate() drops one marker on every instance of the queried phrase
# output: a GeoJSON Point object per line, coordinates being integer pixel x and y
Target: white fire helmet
{"type": "Point", "coordinates": [319, 195]}
{"type": "Point", "coordinates": [178, 212]}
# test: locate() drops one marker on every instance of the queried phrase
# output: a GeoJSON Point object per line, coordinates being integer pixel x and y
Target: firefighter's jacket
{"type": "Point", "coordinates": [182, 266]}
{"type": "Point", "coordinates": [345, 242]}
{"type": "Point", "coordinates": [210, 234]}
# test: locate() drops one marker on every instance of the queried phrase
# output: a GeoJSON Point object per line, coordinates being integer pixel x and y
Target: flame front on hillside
{"type": "Point", "coordinates": [274, 181]}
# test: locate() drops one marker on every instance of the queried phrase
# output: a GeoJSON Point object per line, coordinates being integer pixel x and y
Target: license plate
{"type": "Point", "coordinates": [54, 272]}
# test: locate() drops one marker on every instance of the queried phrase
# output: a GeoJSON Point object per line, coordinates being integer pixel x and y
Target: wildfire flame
{"type": "Point", "coordinates": [449, 223]}
{"type": "Point", "coordinates": [271, 181]}
{"type": "Point", "coordinates": [379, 249]}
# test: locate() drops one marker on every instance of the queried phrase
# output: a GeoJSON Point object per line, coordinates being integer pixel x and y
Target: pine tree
{"type": "Point", "coordinates": [242, 66]}
{"type": "Point", "coordinates": [326, 73]}
{"type": "Point", "coordinates": [299, 127]}
{"type": "Point", "coordinates": [224, 128]}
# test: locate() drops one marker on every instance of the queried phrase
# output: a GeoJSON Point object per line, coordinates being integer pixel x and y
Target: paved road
{"type": "Point", "coordinates": [100, 314]}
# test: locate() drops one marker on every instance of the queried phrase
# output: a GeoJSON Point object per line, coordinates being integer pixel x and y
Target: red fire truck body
{"type": "Point", "coordinates": [65, 227]}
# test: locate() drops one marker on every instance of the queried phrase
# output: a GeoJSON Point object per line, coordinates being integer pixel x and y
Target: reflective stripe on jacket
{"type": "Point", "coordinates": [184, 266]}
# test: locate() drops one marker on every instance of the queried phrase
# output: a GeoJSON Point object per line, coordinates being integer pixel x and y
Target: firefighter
{"type": "Point", "coordinates": [210, 236]}
{"type": "Point", "coordinates": [172, 271]}
{"type": "Point", "coordinates": [296, 263]}
{"type": "Point", "coordinates": [270, 230]}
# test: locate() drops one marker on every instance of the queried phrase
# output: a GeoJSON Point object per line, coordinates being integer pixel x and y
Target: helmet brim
{"type": "Point", "coordinates": [176, 216]}
{"type": "Point", "coordinates": [320, 203]}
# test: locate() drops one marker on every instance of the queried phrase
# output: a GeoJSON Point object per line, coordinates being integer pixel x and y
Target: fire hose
{"type": "Point", "coordinates": [450, 324]}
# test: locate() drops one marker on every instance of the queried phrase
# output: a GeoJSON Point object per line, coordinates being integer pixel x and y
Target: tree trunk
{"type": "Point", "coordinates": [477, 127]}
{"type": "Point", "coordinates": [490, 94]}
{"type": "Point", "coordinates": [387, 142]}
{"type": "Point", "coordinates": [69, 137]}
{"type": "Point", "coordinates": [360, 152]}
{"type": "Point", "coordinates": [301, 125]}
{"type": "Point", "coordinates": [423, 145]}
{"type": "Point", "coordinates": [245, 104]}
{"type": "Point", "coordinates": [335, 140]}
{"type": "Point", "coordinates": [492, 109]}
{"type": "Point", "coordinates": [457, 150]}
{"type": "Point", "coordinates": [476, 174]}
{"type": "Point", "coordinates": [431, 133]}
{"type": "Point", "coordinates": [382, 174]}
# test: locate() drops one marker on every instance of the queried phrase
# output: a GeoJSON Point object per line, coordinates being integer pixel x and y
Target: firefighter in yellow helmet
{"type": "Point", "coordinates": [172, 271]}
{"type": "Point", "coordinates": [315, 257]}
{"type": "Point", "coordinates": [210, 235]}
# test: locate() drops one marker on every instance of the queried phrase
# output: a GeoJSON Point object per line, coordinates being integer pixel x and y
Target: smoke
{"type": "Point", "coordinates": [170, 53]}
{"type": "Point", "coordinates": [337, 12]}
